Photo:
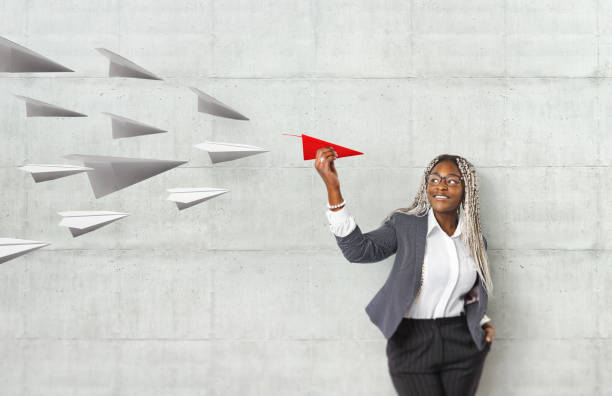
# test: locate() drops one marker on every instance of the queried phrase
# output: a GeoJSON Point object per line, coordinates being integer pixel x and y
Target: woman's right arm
{"type": "Point", "coordinates": [356, 247]}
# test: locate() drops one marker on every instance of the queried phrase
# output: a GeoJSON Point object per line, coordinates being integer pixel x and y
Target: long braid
{"type": "Point", "coordinates": [469, 210]}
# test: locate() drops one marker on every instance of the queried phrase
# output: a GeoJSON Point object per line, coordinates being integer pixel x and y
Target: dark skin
{"type": "Point", "coordinates": [445, 210]}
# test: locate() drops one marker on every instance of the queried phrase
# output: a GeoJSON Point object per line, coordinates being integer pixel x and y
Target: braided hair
{"type": "Point", "coordinates": [469, 210]}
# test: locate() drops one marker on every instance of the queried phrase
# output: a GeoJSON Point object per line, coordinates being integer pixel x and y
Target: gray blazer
{"type": "Point", "coordinates": [405, 235]}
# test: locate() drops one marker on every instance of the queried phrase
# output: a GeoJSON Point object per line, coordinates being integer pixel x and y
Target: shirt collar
{"type": "Point", "coordinates": [432, 223]}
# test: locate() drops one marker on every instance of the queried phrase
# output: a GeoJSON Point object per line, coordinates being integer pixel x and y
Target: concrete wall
{"type": "Point", "coordinates": [248, 294]}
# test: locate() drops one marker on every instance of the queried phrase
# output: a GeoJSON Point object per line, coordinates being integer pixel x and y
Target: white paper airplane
{"type": "Point", "coordinates": [122, 67]}
{"type": "Point", "coordinates": [15, 58]}
{"type": "Point", "coordinates": [208, 104]}
{"type": "Point", "coordinates": [11, 248]}
{"type": "Point", "coordinates": [188, 197]}
{"type": "Point", "coordinates": [82, 222]}
{"type": "Point", "coordinates": [220, 152]}
{"type": "Point", "coordinates": [42, 173]}
{"type": "Point", "coordinates": [37, 108]}
{"type": "Point", "coordinates": [124, 127]}
{"type": "Point", "coordinates": [112, 174]}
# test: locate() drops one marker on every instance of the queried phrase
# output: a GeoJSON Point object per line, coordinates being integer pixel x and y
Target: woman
{"type": "Point", "coordinates": [432, 307]}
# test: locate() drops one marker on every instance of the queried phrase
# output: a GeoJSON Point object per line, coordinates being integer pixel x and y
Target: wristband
{"type": "Point", "coordinates": [336, 206]}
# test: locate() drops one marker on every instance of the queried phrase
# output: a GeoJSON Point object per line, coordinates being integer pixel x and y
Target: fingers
{"type": "Point", "coordinates": [332, 167]}
{"type": "Point", "coordinates": [325, 157]}
{"type": "Point", "coordinates": [490, 334]}
{"type": "Point", "coordinates": [326, 153]}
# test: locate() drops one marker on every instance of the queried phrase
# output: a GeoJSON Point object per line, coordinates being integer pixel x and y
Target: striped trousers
{"type": "Point", "coordinates": [435, 357]}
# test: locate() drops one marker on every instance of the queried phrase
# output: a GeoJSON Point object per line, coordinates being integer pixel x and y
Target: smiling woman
{"type": "Point", "coordinates": [432, 307]}
{"type": "Point", "coordinates": [464, 203]}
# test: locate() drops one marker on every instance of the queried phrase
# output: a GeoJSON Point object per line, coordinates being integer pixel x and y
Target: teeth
{"type": "Point", "coordinates": [441, 196]}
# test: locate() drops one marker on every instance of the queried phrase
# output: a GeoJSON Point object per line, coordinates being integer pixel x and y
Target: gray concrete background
{"type": "Point", "coordinates": [248, 294]}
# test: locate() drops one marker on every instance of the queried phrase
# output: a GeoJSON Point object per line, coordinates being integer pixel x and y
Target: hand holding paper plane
{"type": "Point", "coordinates": [310, 146]}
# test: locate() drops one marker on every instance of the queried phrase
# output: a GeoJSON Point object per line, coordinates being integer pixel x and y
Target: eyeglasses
{"type": "Point", "coordinates": [451, 180]}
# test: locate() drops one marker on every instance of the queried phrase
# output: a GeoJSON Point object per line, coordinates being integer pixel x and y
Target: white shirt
{"type": "Point", "coordinates": [449, 270]}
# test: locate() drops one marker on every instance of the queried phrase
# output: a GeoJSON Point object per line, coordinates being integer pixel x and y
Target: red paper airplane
{"type": "Point", "coordinates": [311, 145]}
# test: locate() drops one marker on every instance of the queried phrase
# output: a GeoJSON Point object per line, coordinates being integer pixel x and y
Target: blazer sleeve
{"type": "Point", "coordinates": [485, 318]}
{"type": "Point", "coordinates": [372, 246]}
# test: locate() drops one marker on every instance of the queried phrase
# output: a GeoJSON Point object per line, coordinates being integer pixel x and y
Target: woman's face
{"type": "Point", "coordinates": [454, 192]}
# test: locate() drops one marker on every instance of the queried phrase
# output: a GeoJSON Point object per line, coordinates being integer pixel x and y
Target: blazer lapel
{"type": "Point", "coordinates": [419, 245]}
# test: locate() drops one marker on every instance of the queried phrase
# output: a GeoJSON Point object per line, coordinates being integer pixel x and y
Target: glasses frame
{"type": "Point", "coordinates": [443, 178]}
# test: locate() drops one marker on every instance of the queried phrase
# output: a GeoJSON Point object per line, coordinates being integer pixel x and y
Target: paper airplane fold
{"type": "Point", "coordinates": [15, 58]}
{"type": "Point", "coordinates": [188, 197]}
{"type": "Point", "coordinates": [122, 67]}
{"type": "Point", "coordinates": [310, 146]}
{"type": "Point", "coordinates": [124, 127]}
{"type": "Point", "coordinates": [112, 174]}
{"type": "Point", "coordinates": [11, 248]}
{"type": "Point", "coordinates": [82, 222]}
{"type": "Point", "coordinates": [42, 173]}
{"type": "Point", "coordinates": [209, 105]}
{"type": "Point", "coordinates": [220, 152]}
{"type": "Point", "coordinates": [37, 108]}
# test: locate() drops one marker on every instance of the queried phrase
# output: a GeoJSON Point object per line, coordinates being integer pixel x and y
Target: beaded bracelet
{"type": "Point", "coordinates": [336, 206]}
